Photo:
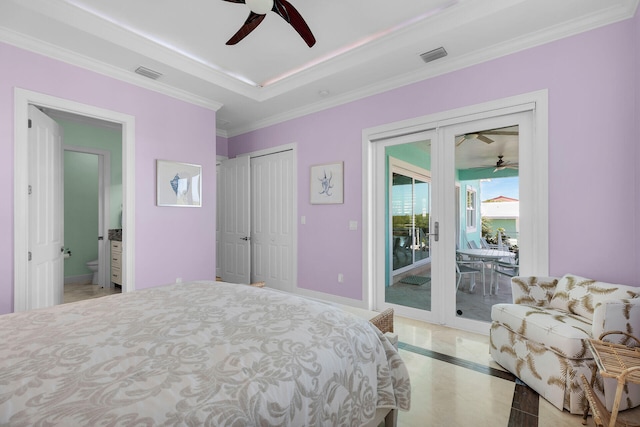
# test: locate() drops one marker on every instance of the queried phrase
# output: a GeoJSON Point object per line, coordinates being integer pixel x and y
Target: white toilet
{"type": "Point", "coordinates": [93, 266]}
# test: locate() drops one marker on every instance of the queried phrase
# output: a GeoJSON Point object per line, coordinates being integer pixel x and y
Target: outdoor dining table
{"type": "Point", "coordinates": [487, 255]}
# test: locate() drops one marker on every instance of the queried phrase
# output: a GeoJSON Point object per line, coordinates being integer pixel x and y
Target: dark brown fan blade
{"type": "Point", "coordinates": [293, 17]}
{"type": "Point", "coordinates": [250, 24]}
{"type": "Point", "coordinates": [234, 1]}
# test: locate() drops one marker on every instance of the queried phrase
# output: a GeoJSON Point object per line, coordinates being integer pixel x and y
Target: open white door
{"type": "Point", "coordinates": [46, 225]}
{"type": "Point", "coordinates": [236, 216]}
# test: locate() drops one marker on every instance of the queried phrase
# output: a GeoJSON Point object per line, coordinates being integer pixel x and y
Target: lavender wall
{"type": "Point", "coordinates": [170, 242]}
{"type": "Point", "coordinates": [222, 146]}
{"type": "Point", "coordinates": [592, 149]}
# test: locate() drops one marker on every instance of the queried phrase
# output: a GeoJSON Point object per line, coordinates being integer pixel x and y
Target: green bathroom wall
{"type": "Point", "coordinates": [80, 211]}
{"type": "Point", "coordinates": [81, 191]}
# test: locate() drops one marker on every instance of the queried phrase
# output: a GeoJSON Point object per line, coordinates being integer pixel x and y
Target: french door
{"type": "Point", "coordinates": [452, 163]}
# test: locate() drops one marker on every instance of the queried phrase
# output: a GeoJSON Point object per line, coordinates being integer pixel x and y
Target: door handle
{"type": "Point", "coordinates": [436, 233]}
{"type": "Point", "coordinates": [245, 238]}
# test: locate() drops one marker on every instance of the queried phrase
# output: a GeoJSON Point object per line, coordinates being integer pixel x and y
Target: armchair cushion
{"type": "Point", "coordinates": [580, 296]}
{"type": "Point", "coordinates": [559, 331]}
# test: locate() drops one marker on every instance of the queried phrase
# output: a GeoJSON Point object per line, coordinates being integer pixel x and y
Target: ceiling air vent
{"type": "Point", "coordinates": [434, 54]}
{"type": "Point", "coordinates": [147, 72]}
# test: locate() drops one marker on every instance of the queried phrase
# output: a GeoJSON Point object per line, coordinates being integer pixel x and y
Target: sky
{"type": "Point", "coordinates": [500, 187]}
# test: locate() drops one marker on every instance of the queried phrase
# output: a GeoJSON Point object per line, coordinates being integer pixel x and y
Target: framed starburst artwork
{"type": "Point", "coordinates": [327, 184]}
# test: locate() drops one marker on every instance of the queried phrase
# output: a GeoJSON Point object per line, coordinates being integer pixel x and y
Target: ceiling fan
{"type": "Point", "coordinates": [481, 136]}
{"type": "Point", "coordinates": [259, 9]}
{"type": "Point", "coordinates": [501, 164]}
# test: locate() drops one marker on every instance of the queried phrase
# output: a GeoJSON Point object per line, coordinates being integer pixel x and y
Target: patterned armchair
{"type": "Point", "coordinates": [540, 337]}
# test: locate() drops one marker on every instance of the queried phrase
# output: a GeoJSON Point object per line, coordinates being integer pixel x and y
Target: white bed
{"type": "Point", "coordinates": [199, 353]}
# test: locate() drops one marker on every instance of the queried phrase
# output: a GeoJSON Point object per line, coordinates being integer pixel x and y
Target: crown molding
{"type": "Point", "coordinates": [101, 27]}
{"type": "Point", "coordinates": [55, 52]}
{"type": "Point", "coordinates": [448, 65]}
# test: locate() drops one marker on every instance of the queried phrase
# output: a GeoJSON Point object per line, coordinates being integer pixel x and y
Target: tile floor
{"type": "Point", "coordinates": [81, 291]}
{"type": "Point", "coordinates": [455, 382]}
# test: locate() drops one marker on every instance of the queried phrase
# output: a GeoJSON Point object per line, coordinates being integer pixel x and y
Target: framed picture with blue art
{"type": "Point", "coordinates": [327, 184]}
{"type": "Point", "coordinates": [178, 184]}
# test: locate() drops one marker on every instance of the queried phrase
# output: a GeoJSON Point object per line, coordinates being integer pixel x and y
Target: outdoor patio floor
{"type": "Point", "coordinates": [470, 304]}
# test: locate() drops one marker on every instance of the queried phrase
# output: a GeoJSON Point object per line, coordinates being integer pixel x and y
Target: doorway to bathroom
{"type": "Point", "coordinates": [41, 284]}
{"type": "Point", "coordinates": [92, 203]}
{"type": "Point", "coordinates": [89, 193]}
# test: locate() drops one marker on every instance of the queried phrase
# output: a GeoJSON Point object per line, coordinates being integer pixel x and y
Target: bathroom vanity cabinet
{"type": "Point", "coordinates": [116, 262]}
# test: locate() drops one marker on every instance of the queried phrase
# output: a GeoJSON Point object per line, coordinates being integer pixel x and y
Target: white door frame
{"type": "Point", "coordinates": [22, 99]}
{"type": "Point", "coordinates": [536, 185]}
{"type": "Point", "coordinates": [104, 209]}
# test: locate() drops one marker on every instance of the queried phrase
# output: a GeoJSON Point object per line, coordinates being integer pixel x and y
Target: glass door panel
{"type": "Point", "coordinates": [487, 183]}
{"type": "Point", "coordinates": [409, 197]}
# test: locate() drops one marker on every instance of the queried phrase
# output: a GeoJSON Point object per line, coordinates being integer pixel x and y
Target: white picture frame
{"type": "Point", "coordinates": [178, 184]}
{"type": "Point", "coordinates": [326, 184]}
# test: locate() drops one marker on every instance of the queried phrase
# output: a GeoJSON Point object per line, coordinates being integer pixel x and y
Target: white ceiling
{"type": "Point", "coordinates": [363, 46]}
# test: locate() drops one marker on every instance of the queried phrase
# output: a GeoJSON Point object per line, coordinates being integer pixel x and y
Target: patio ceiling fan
{"type": "Point", "coordinates": [481, 136]}
{"type": "Point", "coordinates": [258, 11]}
{"type": "Point", "coordinates": [502, 164]}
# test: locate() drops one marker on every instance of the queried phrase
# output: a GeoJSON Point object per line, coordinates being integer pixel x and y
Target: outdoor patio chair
{"type": "Point", "coordinates": [487, 245]}
{"type": "Point", "coordinates": [470, 268]}
{"type": "Point", "coordinates": [509, 267]}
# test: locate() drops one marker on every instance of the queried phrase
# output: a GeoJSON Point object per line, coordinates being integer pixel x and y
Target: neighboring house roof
{"type": "Point", "coordinates": [500, 210]}
{"type": "Point", "coordinates": [500, 199]}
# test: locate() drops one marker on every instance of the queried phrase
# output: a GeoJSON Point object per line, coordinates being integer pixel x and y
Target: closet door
{"type": "Point", "coordinates": [235, 210]}
{"type": "Point", "coordinates": [272, 221]}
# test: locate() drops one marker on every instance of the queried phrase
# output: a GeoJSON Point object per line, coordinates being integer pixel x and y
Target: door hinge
{"type": "Point", "coordinates": [30, 190]}
{"type": "Point", "coordinates": [29, 124]}
{"type": "Point", "coordinates": [29, 256]}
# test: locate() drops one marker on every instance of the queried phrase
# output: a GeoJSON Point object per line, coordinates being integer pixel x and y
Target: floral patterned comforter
{"type": "Point", "coordinates": [199, 353]}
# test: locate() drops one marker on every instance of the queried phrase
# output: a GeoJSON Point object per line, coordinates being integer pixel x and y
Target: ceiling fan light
{"type": "Point", "coordinates": [260, 7]}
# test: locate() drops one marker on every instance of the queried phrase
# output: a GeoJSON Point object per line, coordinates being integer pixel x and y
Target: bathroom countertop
{"type": "Point", "coordinates": [115, 234]}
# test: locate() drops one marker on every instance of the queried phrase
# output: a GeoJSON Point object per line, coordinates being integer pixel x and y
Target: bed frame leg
{"type": "Point", "coordinates": [391, 420]}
